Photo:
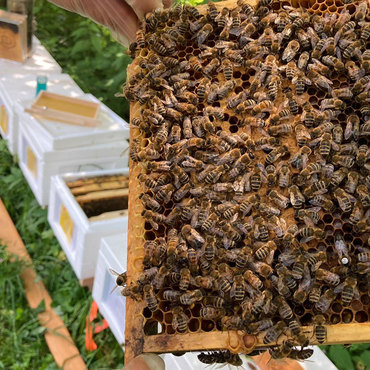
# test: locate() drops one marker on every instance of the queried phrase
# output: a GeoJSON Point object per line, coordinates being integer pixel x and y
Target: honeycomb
{"type": "Point", "coordinates": [268, 152]}
{"type": "Point", "coordinates": [101, 197]}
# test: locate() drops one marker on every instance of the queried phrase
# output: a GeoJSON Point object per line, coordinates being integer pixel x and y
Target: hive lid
{"type": "Point", "coordinates": [18, 85]}
{"type": "Point", "coordinates": [40, 61]}
{"type": "Point", "coordinates": [64, 136]}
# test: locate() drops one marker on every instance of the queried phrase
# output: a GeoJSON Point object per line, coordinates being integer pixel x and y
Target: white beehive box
{"type": "Point", "coordinates": [47, 148]}
{"type": "Point", "coordinates": [65, 136]}
{"type": "Point", "coordinates": [18, 86]}
{"type": "Point", "coordinates": [112, 255]}
{"type": "Point", "coordinates": [77, 234]}
{"type": "Point", "coordinates": [39, 62]}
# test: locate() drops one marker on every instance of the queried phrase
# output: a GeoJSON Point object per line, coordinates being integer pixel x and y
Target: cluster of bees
{"type": "Point", "coordinates": [253, 123]}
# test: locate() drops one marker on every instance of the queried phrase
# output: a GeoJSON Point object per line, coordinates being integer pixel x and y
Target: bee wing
{"type": "Point", "coordinates": [113, 289]}
{"type": "Point", "coordinates": [115, 273]}
{"type": "Point", "coordinates": [339, 288]}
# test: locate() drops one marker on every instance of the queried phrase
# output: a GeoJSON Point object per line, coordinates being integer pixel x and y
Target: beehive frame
{"type": "Point", "coordinates": [236, 341]}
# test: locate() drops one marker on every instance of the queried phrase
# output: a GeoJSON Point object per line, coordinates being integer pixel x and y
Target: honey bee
{"type": "Point", "coordinates": [202, 88]}
{"type": "Point", "coordinates": [302, 354]}
{"type": "Point", "coordinates": [344, 199]}
{"type": "Point", "coordinates": [364, 195]}
{"type": "Point", "coordinates": [264, 251]}
{"type": "Point", "coordinates": [327, 276]}
{"type": "Point", "coordinates": [220, 357]}
{"type": "Point", "coordinates": [261, 268]}
{"type": "Point", "coordinates": [363, 155]}
{"type": "Point", "coordinates": [300, 159]}
{"type": "Point", "coordinates": [310, 233]}
{"type": "Point", "coordinates": [281, 129]}
{"type": "Point", "coordinates": [180, 319]}
{"type": "Point", "coordinates": [302, 134]}
{"type": "Point", "coordinates": [253, 280]}
{"type": "Point", "coordinates": [263, 106]}
{"type": "Point", "coordinates": [274, 332]}
{"type": "Point", "coordinates": [275, 154]}
{"type": "Point", "coordinates": [315, 293]}
{"type": "Point", "coordinates": [211, 66]}
{"type": "Point", "coordinates": [356, 214]}
{"type": "Point", "coordinates": [171, 295]}
{"type": "Point", "coordinates": [291, 50]}
{"type": "Point", "coordinates": [189, 298]}
{"type": "Point", "coordinates": [150, 298]}
{"type": "Point", "coordinates": [296, 197]}
{"type": "Point", "coordinates": [323, 304]}
{"type": "Point", "coordinates": [348, 290]}
{"type": "Point", "coordinates": [210, 313]}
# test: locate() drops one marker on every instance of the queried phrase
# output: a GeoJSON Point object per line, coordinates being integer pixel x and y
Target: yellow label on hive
{"type": "Point", "coordinates": [4, 119]}
{"type": "Point", "coordinates": [31, 161]}
{"type": "Point", "coordinates": [66, 223]}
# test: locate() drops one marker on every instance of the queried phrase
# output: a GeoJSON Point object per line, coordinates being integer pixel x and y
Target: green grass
{"type": "Point", "coordinates": [21, 338]}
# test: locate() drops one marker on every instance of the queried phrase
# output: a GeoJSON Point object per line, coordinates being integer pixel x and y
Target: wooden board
{"type": "Point", "coordinates": [57, 336]}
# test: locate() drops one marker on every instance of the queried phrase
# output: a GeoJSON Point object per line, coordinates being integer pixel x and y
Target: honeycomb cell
{"type": "Point", "coordinates": [311, 91]}
{"type": "Point", "coordinates": [347, 228]}
{"type": "Point", "coordinates": [245, 77]}
{"type": "Point", "coordinates": [147, 313]}
{"type": "Point", "coordinates": [347, 316]}
{"type": "Point", "coordinates": [336, 83]}
{"type": "Point", "coordinates": [306, 319]}
{"type": "Point", "coordinates": [351, 8]}
{"type": "Point", "coordinates": [329, 229]}
{"type": "Point", "coordinates": [336, 307]}
{"type": "Point", "coordinates": [337, 223]}
{"type": "Point", "coordinates": [238, 89]}
{"type": "Point", "coordinates": [233, 120]}
{"type": "Point", "coordinates": [327, 218]}
{"type": "Point", "coordinates": [182, 54]}
{"type": "Point", "coordinates": [153, 327]}
{"type": "Point", "coordinates": [365, 299]}
{"type": "Point", "coordinates": [194, 325]}
{"type": "Point", "coordinates": [357, 242]}
{"type": "Point", "coordinates": [342, 117]}
{"type": "Point", "coordinates": [207, 325]}
{"type": "Point", "coordinates": [233, 129]}
{"type": "Point", "coordinates": [237, 74]}
{"type": "Point", "coordinates": [275, 5]}
{"type": "Point", "coordinates": [299, 310]}
{"type": "Point", "coordinates": [348, 238]}
{"type": "Point", "coordinates": [313, 99]}
{"type": "Point", "coordinates": [189, 50]}
{"type": "Point", "coordinates": [334, 319]}
{"type": "Point", "coordinates": [149, 235]}
{"type": "Point", "coordinates": [246, 84]}
{"type": "Point", "coordinates": [361, 316]}
{"type": "Point", "coordinates": [356, 305]}
{"type": "Point", "coordinates": [170, 329]}
{"type": "Point", "coordinates": [363, 287]}
{"type": "Point", "coordinates": [168, 318]}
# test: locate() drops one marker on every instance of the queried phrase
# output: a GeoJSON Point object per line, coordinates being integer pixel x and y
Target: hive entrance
{"type": "Point", "coordinates": [102, 196]}
{"type": "Point", "coordinates": [251, 163]}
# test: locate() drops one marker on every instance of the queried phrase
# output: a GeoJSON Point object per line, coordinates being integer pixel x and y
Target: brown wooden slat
{"type": "Point", "coordinates": [57, 336]}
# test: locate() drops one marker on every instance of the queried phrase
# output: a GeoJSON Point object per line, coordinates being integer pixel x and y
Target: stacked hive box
{"type": "Point", "coordinates": [153, 330]}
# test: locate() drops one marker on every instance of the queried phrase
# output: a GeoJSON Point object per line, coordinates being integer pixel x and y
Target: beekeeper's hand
{"type": "Point", "coordinates": [147, 361]}
{"type": "Point", "coordinates": [120, 16]}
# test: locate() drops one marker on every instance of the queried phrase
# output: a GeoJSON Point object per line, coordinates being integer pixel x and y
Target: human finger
{"type": "Point", "coordinates": [146, 361]}
{"type": "Point", "coordinates": [141, 7]}
{"type": "Point", "coordinates": [114, 14]}
{"type": "Point", "coordinates": [167, 3]}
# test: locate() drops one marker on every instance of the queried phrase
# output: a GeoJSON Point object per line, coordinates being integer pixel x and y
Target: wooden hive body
{"type": "Point", "coordinates": [344, 324]}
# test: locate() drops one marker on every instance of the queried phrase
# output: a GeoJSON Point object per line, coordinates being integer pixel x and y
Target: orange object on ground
{"type": "Point", "coordinates": [58, 339]}
{"type": "Point", "coordinates": [265, 362]}
{"type": "Point", "coordinates": [89, 340]}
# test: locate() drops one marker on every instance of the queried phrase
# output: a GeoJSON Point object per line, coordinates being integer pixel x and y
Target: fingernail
{"type": "Point", "coordinates": [146, 361]}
